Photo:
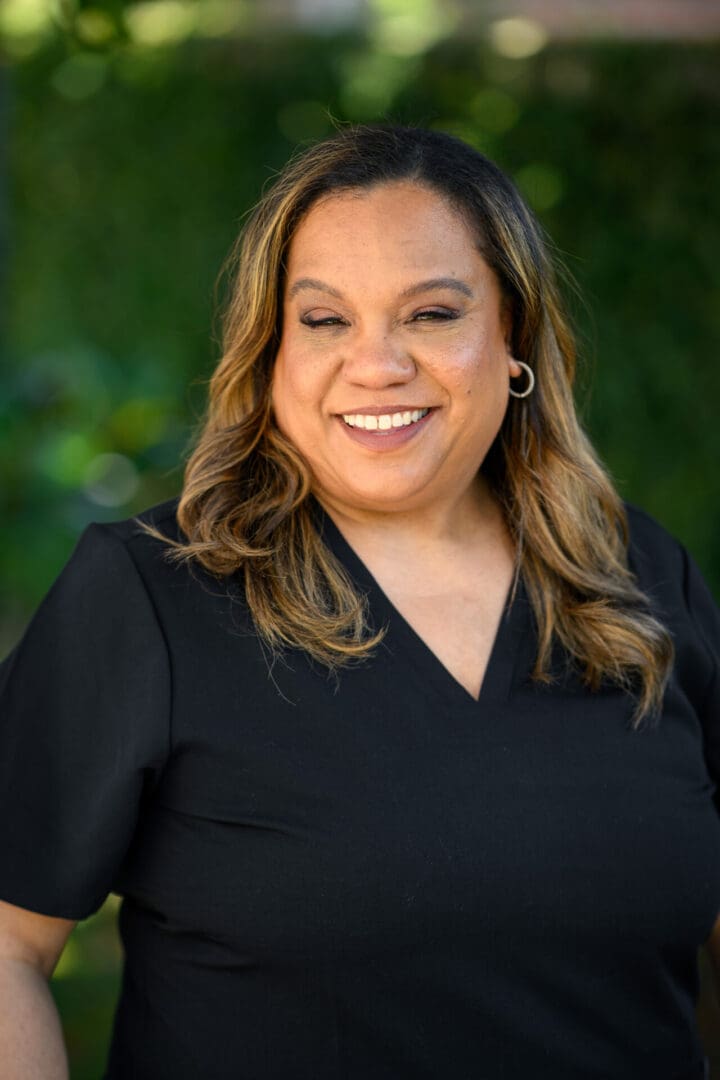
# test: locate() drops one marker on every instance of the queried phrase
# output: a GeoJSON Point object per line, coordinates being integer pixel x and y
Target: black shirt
{"type": "Point", "coordinates": [372, 876]}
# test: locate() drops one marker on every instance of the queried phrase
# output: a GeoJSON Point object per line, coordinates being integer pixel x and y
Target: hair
{"type": "Point", "coordinates": [246, 508]}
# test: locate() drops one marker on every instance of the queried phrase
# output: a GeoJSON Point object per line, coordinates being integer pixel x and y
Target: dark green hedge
{"type": "Point", "coordinates": [130, 170]}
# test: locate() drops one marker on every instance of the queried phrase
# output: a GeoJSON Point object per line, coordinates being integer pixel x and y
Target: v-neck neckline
{"type": "Point", "coordinates": [505, 652]}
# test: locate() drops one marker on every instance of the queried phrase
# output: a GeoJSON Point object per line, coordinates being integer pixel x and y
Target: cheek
{"type": "Point", "coordinates": [282, 394]}
{"type": "Point", "coordinates": [475, 369]}
{"type": "Point", "coordinates": [297, 393]}
{"type": "Point", "coordinates": [287, 383]}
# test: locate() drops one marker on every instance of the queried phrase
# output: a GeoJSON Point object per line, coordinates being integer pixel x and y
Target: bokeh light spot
{"type": "Point", "coordinates": [19, 18]}
{"type": "Point", "coordinates": [111, 480]}
{"type": "Point", "coordinates": [517, 38]}
{"type": "Point", "coordinates": [161, 22]}
{"type": "Point", "coordinates": [216, 18]}
{"type": "Point", "coordinates": [541, 184]}
{"type": "Point", "coordinates": [410, 27]}
{"type": "Point", "coordinates": [24, 26]}
{"type": "Point", "coordinates": [371, 82]}
{"type": "Point", "coordinates": [95, 27]}
{"type": "Point", "coordinates": [64, 456]}
{"type": "Point", "coordinates": [80, 76]}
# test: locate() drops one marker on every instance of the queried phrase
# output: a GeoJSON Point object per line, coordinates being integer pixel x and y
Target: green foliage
{"type": "Point", "coordinates": [130, 170]}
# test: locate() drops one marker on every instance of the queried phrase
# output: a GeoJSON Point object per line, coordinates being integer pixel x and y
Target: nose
{"type": "Point", "coordinates": [377, 360]}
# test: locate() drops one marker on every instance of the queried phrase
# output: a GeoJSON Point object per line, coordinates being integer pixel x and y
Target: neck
{"type": "Point", "coordinates": [457, 521]}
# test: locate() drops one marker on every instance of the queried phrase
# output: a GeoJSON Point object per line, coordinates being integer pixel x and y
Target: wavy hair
{"type": "Point", "coordinates": [245, 505]}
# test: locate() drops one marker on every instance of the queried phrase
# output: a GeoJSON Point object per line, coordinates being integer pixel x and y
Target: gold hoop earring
{"type": "Point", "coordinates": [531, 381]}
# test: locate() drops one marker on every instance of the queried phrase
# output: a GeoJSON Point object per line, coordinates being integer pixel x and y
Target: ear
{"type": "Point", "coordinates": [515, 369]}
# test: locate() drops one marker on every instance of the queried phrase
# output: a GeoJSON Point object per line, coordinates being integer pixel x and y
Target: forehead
{"type": "Point", "coordinates": [391, 227]}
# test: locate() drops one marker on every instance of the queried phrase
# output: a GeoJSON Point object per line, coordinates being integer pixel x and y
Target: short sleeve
{"type": "Point", "coordinates": [706, 689]}
{"type": "Point", "coordinates": [84, 729]}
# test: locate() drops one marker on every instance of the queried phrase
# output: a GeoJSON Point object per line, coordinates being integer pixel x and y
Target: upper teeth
{"type": "Point", "coordinates": [385, 421]}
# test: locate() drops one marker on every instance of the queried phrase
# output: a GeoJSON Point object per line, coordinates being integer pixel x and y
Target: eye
{"type": "Point", "coordinates": [435, 315]}
{"type": "Point", "coordinates": [326, 320]}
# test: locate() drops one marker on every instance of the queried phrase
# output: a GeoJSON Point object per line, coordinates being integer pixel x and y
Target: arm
{"type": "Point", "coordinates": [31, 1042]}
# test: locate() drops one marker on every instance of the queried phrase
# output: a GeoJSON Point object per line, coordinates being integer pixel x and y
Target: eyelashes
{"type": "Point", "coordinates": [426, 315]}
{"type": "Point", "coordinates": [436, 315]}
{"type": "Point", "coordinates": [330, 320]}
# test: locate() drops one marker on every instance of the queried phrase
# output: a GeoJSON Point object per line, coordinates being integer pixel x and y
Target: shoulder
{"type": "Point", "coordinates": [100, 602]}
{"type": "Point", "coordinates": [663, 566]}
{"type": "Point", "coordinates": [680, 597]}
{"type": "Point", "coordinates": [131, 530]}
{"type": "Point", "coordinates": [668, 575]}
{"type": "Point", "coordinates": [126, 545]}
{"type": "Point", "coordinates": [656, 558]}
{"type": "Point", "coordinates": [179, 588]}
{"type": "Point", "coordinates": [112, 566]}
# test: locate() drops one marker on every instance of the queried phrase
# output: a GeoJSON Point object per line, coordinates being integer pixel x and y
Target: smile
{"type": "Point", "coordinates": [385, 421]}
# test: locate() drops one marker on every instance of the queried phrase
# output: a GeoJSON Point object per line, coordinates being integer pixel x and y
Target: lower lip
{"type": "Point", "coordinates": [385, 440]}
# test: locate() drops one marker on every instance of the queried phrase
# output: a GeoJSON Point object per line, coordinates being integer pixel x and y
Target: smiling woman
{"type": "Point", "coordinates": [397, 732]}
{"type": "Point", "coordinates": [384, 338]}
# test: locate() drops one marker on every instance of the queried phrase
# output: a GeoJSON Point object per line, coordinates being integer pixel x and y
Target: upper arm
{"type": "Point", "coordinates": [32, 938]}
{"type": "Point", "coordinates": [84, 710]}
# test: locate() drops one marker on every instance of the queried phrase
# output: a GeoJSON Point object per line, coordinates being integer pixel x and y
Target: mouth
{"type": "Point", "coordinates": [388, 421]}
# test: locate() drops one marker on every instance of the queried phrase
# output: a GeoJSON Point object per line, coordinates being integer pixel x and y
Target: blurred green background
{"type": "Point", "coordinates": [138, 134]}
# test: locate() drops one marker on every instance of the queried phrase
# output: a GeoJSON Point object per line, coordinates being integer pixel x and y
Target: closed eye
{"type": "Point", "coordinates": [426, 315]}
{"type": "Point", "coordinates": [435, 314]}
{"type": "Point", "coordinates": [328, 320]}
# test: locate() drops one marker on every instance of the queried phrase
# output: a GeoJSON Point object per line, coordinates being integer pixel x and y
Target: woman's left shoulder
{"type": "Point", "coordinates": [661, 563]}
{"type": "Point", "coordinates": [670, 577]}
{"type": "Point", "coordinates": [656, 557]}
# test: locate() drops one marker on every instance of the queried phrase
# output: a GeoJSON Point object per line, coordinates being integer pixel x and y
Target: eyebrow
{"type": "Point", "coordinates": [454, 284]}
{"type": "Point", "coordinates": [312, 283]}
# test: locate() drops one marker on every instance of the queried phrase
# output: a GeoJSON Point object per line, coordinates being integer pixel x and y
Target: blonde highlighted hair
{"type": "Point", "coordinates": [245, 505]}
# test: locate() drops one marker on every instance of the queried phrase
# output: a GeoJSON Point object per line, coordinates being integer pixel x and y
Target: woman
{"type": "Point", "coordinates": [399, 747]}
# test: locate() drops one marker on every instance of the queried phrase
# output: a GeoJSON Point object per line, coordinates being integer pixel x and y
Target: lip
{"type": "Point", "coordinates": [386, 440]}
{"type": "Point", "coordinates": [381, 410]}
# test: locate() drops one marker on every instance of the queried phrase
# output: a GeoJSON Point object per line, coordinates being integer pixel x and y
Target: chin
{"type": "Point", "coordinates": [387, 499]}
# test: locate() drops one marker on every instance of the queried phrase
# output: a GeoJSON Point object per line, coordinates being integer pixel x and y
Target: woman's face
{"type": "Point", "coordinates": [393, 369]}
